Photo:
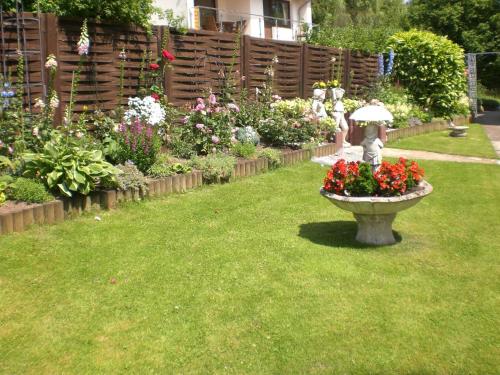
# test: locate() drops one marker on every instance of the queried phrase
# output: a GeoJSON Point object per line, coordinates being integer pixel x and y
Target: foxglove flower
{"type": "Point", "coordinates": [51, 62]}
{"type": "Point", "coordinates": [84, 42]}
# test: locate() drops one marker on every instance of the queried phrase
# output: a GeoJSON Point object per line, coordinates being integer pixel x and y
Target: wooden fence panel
{"type": "Point", "coordinates": [202, 59]}
{"type": "Point", "coordinates": [100, 74]}
{"type": "Point", "coordinates": [33, 48]}
{"type": "Point", "coordinates": [318, 66]}
{"type": "Point", "coordinates": [259, 54]}
{"type": "Point", "coordinates": [362, 71]}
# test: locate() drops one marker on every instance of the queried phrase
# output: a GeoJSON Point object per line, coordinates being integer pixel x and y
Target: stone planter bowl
{"type": "Point", "coordinates": [375, 215]}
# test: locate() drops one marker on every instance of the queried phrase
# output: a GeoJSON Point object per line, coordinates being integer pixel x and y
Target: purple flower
{"type": "Point", "coordinates": [185, 119]}
{"type": "Point", "coordinates": [199, 107]}
{"type": "Point", "coordinates": [200, 126]}
{"type": "Point", "coordinates": [380, 64]}
{"type": "Point", "coordinates": [390, 64]}
{"type": "Point", "coordinates": [212, 99]}
{"type": "Point", "coordinates": [215, 139]}
{"type": "Point", "coordinates": [149, 132]}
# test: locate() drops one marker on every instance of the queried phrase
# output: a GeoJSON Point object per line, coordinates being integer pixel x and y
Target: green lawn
{"type": "Point", "coordinates": [476, 143]}
{"type": "Point", "coordinates": [260, 276]}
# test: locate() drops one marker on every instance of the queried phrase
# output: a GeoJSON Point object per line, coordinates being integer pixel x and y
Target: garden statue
{"type": "Point", "coordinates": [318, 105]}
{"type": "Point", "coordinates": [372, 147]}
{"type": "Point", "coordinates": [338, 115]}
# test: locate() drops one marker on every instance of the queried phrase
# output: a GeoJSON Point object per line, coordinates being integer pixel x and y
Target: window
{"type": "Point", "coordinates": [277, 12]}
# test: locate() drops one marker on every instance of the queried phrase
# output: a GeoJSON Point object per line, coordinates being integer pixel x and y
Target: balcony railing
{"type": "Point", "coordinates": [215, 19]}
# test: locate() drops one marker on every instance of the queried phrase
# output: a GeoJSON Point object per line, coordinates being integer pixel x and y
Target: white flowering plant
{"type": "Point", "coordinates": [147, 109]}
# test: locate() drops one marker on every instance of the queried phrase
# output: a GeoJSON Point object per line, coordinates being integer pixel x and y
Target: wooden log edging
{"type": "Point", "coordinates": [436, 125]}
{"type": "Point", "coordinates": [59, 210]}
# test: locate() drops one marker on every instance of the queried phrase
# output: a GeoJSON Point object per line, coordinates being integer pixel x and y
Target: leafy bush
{"type": "Point", "coordinates": [215, 167]}
{"type": "Point", "coordinates": [29, 190]}
{"type": "Point", "coordinates": [139, 143]}
{"type": "Point", "coordinates": [272, 155]}
{"type": "Point", "coordinates": [64, 167]}
{"type": "Point", "coordinates": [166, 166]}
{"type": "Point", "coordinates": [5, 181]}
{"type": "Point", "coordinates": [289, 123]}
{"type": "Point", "coordinates": [489, 103]}
{"type": "Point", "coordinates": [432, 68]}
{"type": "Point", "coordinates": [130, 178]}
{"type": "Point", "coordinates": [244, 150]}
{"type": "Point", "coordinates": [208, 126]}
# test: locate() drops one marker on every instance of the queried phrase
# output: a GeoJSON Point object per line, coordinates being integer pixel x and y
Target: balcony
{"type": "Point", "coordinates": [215, 19]}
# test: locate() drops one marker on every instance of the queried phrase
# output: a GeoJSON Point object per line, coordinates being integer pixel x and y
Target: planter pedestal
{"type": "Point", "coordinates": [375, 215]}
{"type": "Point", "coordinates": [459, 131]}
{"type": "Point", "coordinates": [375, 229]}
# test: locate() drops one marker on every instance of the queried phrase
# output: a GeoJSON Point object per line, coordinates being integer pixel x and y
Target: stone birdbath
{"type": "Point", "coordinates": [375, 215]}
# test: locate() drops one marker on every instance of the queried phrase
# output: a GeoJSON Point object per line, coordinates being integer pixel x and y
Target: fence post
{"type": "Point", "coordinates": [346, 70]}
{"type": "Point", "coordinates": [52, 47]}
{"type": "Point", "coordinates": [304, 67]}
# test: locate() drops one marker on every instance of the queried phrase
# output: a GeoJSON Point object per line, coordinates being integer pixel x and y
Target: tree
{"type": "Point", "coordinates": [357, 24]}
{"type": "Point", "coordinates": [473, 24]}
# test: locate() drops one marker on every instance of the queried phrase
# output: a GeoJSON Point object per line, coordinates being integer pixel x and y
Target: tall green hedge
{"type": "Point", "coordinates": [432, 68]}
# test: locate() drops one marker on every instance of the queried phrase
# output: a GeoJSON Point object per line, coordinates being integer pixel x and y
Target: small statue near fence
{"type": "Point", "coordinates": [318, 106]}
{"type": "Point", "coordinates": [339, 115]}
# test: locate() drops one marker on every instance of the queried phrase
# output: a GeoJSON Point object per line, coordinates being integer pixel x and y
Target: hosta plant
{"type": "Point", "coordinates": [66, 168]}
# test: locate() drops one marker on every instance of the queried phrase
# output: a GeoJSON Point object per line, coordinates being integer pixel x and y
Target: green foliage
{"type": "Point", "coordinates": [289, 123]}
{"type": "Point", "coordinates": [5, 182]}
{"type": "Point", "coordinates": [244, 150]}
{"type": "Point", "coordinates": [29, 190]}
{"type": "Point", "coordinates": [165, 166]}
{"type": "Point", "coordinates": [66, 168]}
{"type": "Point", "coordinates": [136, 12]}
{"type": "Point", "coordinates": [129, 178]}
{"type": "Point", "coordinates": [432, 68]}
{"type": "Point", "coordinates": [364, 185]}
{"type": "Point", "coordinates": [489, 103]}
{"type": "Point", "coordinates": [181, 148]}
{"type": "Point", "coordinates": [215, 167]}
{"type": "Point", "coordinates": [356, 24]}
{"type": "Point", "coordinates": [272, 155]}
{"type": "Point", "coordinates": [475, 25]}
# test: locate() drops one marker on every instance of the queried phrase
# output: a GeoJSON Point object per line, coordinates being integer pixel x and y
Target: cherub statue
{"type": "Point", "coordinates": [318, 106]}
{"type": "Point", "coordinates": [338, 115]}
{"type": "Point", "coordinates": [372, 147]}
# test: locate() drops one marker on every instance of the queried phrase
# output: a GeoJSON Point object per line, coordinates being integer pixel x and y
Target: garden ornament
{"type": "Point", "coordinates": [373, 115]}
{"type": "Point", "coordinates": [318, 105]}
{"type": "Point", "coordinates": [338, 115]}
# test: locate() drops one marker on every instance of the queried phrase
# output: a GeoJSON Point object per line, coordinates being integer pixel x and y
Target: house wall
{"type": "Point", "coordinates": [251, 11]}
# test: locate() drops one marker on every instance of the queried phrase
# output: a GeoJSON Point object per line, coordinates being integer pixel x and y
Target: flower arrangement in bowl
{"type": "Point", "coordinates": [333, 83]}
{"type": "Point", "coordinates": [375, 197]}
{"type": "Point", "coordinates": [320, 85]}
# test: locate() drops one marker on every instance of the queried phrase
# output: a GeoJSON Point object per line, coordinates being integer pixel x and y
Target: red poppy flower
{"type": "Point", "coordinates": [167, 55]}
{"type": "Point", "coordinates": [154, 66]}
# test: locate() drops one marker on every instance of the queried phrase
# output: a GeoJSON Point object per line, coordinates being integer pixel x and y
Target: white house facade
{"type": "Point", "coordinates": [270, 19]}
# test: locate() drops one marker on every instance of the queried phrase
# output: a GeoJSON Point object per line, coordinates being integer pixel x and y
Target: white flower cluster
{"type": "Point", "coordinates": [146, 109]}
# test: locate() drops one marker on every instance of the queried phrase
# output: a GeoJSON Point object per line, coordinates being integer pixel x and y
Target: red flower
{"type": "Point", "coordinates": [154, 66]}
{"type": "Point", "coordinates": [167, 55]}
{"type": "Point", "coordinates": [155, 96]}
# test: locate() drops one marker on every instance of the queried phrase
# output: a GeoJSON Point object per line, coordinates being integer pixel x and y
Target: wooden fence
{"type": "Point", "coordinates": [201, 58]}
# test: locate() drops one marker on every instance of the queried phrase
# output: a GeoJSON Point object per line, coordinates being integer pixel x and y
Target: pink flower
{"type": "Point", "coordinates": [276, 97]}
{"type": "Point", "coordinates": [200, 107]}
{"type": "Point", "coordinates": [185, 119]}
{"type": "Point", "coordinates": [200, 101]}
{"type": "Point", "coordinates": [212, 99]}
{"type": "Point", "coordinates": [11, 150]}
{"type": "Point", "coordinates": [234, 107]}
{"type": "Point", "coordinates": [200, 126]}
{"type": "Point", "coordinates": [215, 139]}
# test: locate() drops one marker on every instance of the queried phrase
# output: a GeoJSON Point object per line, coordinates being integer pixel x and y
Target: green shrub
{"type": "Point", "coordinates": [215, 167]}
{"type": "Point", "coordinates": [166, 166]}
{"type": "Point", "coordinates": [130, 178]}
{"type": "Point", "coordinates": [432, 68]}
{"type": "Point", "coordinates": [273, 157]}
{"type": "Point", "coordinates": [489, 103]}
{"type": "Point", "coordinates": [181, 148]}
{"type": "Point", "coordinates": [247, 134]}
{"type": "Point", "coordinates": [64, 167]}
{"type": "Point", "coordinates": [29, 190]}
{"type": "Point", "coordinates": [244, 150]}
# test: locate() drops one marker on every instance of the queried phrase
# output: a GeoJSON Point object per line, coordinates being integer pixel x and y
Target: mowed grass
{"type": "Point", "coordinates": [260, 276]}
{"type": "Point", "coordinates": [476, 143]}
